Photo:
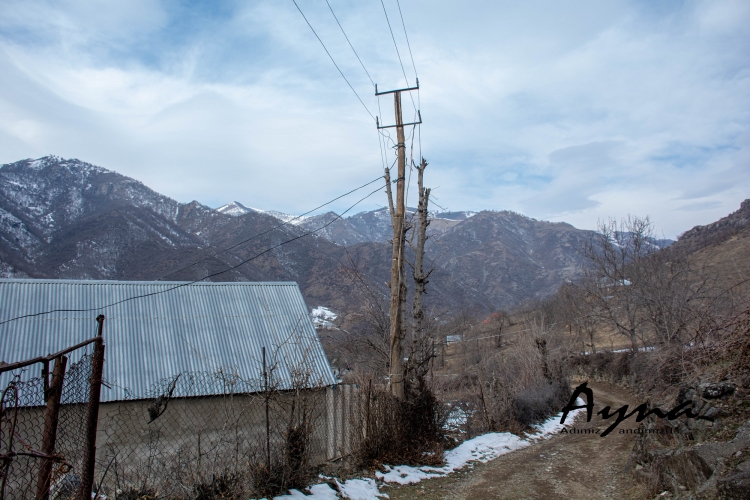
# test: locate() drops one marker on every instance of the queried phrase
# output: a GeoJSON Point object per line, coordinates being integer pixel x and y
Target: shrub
{"type": "Point", "coordinates": [535, 403]}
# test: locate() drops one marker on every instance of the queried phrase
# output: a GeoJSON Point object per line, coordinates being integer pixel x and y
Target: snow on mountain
{"type": "Point", "coordinates": [369, 226]}
{"type": "Point", "coordinates": [292, 219]}
{"type": "Point", "coordinates": [323, 317]}
{"type": "Point", "coordinates": [51, 191]}
{"type": "Point", "coordinates": [235, 209]}
{"type": "Point", "coordinates": [456, 216]}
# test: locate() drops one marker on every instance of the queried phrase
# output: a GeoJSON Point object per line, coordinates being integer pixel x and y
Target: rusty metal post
{"type": "Point", "coordinates": [92, 419]}
{"type": "Point", "coordinates": [268, 421]}
{"type": "Point", "coordinates": [51, 414]}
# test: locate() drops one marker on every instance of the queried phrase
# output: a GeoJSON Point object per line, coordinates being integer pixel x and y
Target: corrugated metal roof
{"type": "Point", "coordinates": [202, 327]}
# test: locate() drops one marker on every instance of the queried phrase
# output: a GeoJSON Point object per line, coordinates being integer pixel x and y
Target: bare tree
{"type": "Point", "coordinates": [615, 255]}
{"type": "Point", "coordinates": [580, 314]}
{"type": "Point", "coordinates": [672, 296]}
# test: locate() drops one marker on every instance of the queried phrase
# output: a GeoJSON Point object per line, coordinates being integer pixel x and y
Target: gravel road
{"type": "Point", "coordinates": [577, 466]}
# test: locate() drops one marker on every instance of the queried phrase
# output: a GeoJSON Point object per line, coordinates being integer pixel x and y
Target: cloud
{"type": "Point", "coordinates": [565, 112]}
{"type": "Point", "coordinates": [700, 205]}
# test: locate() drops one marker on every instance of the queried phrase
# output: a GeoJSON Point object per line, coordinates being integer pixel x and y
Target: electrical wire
{"type": "Point", "coordinates": [333, 61]}
{"type": "Point", "coordinates": [398, 53]}
{"type": "Point", "coordinates": [394, 42]}
{"type": "Point", "coordinates": [272, 229]}
{"type": "Point", "coordinates": [407, 39]}
{"type": "Point", "coordinates": [188, 283]}
{"type": "Point", "coordinates": [380, 141]}
{"type": "Point", "coordinates": [350, 44]}
{"type": "Point", "coordinates": [416, 75]}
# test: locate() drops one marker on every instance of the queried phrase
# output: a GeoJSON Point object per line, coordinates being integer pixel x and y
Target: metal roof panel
{"type": "Point", "coordinates": [176, 328]}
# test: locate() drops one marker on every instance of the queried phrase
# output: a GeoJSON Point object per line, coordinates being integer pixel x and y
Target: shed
{"type": "Point", "coordinates": [155, 331]}
{"type": "Point", "coordinates": [186, 395]}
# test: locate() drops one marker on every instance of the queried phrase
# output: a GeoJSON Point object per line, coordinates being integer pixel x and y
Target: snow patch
{"type": "Point", "coordinates": [323, 313]}
{"type": "Point", "coordinates": [317, 492]}
{"type": "Point", "coordinates": [322, 316]}
{"type": "Point", "coordinates": [360, 489]}
{"type": "Point", "coordinates": [234, 209]}
{"type": "Point", "coordinates": [479, 449]}
{"type": "Point", "coordinates": [353, 489]}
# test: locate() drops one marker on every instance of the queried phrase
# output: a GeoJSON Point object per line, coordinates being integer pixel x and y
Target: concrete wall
{"type": "Point", "coordinates": [204, 437]}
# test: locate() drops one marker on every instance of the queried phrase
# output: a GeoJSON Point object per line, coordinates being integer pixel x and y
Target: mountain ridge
{"type": "Point", "coordinates": [69, 219]}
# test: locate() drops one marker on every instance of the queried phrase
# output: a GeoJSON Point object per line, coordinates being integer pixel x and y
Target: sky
{"type": "Point", "coordinates": [562, 111]}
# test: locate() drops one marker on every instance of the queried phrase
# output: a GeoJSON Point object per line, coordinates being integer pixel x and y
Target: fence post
{"type": "Point", "coordinates": [92, 418]}
{"type": "Point", "coordinates": [51, 414]}
{"type": "Point", "coordinates": [268, 421]}
{"type": "Point", "coordinates": [330, 426]}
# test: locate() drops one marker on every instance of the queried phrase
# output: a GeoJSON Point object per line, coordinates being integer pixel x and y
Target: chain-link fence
{"type": "Point", "coordinates": [197, 435]}
{"type": "Point", "coordinates": [213, 435]}
{"type": "Point", "coordinates": [43, 424]}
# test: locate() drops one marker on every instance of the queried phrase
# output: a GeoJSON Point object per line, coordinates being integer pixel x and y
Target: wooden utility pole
{"type": "Point", "coordinates": [397, 261]}
{"type": "Point", "coordinates": [398, 284]}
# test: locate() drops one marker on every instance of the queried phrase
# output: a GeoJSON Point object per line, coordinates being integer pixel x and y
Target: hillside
{"type": "Point", "coordinates": [721, 248]}
{"type": "Point", "coordinates": [70, 219]}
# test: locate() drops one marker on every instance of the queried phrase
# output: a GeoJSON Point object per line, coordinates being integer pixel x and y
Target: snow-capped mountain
{"type": "Point", "coordinates": [369, 226]}
{"type": "Point", "coordinates": [69, 219]}
{"type": "Point", "coordinates": [235, 209]}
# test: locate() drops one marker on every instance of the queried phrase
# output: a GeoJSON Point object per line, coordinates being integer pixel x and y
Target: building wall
{"type": "Point", "coordinates": [205, 437]}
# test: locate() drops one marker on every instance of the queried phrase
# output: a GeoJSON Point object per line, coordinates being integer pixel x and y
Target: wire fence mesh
{"type": "Point", "coordinates": [26, 421]}
{"type": "Point", "coordinates": [181, 443]}
{"type": "Point", "coordinates": [197, 435]}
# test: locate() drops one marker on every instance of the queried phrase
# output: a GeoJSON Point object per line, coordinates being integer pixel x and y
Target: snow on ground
{"type": "Point", "coordinates": [360, 489]}
{"type": "Point", "coordinates": [318, 492]}
{"type": "Point", "coordinates": [479, 449]}
{"type": "Point", "coordinates": [322, 316]}
{"type": "Point", "coordinates": [324, 313]}
{"type": "Point", "coordinates": [641, 349]}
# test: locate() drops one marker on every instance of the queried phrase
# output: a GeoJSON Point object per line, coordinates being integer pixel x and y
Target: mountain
{"type": "Point", "coordinates": [375, 225]}
{"type": "Point", "coordinates": [69, 219]}
{"type": "Point", "coordinates": [703, 236]}
{"type": "Point", "coordinates": [333, 228]}
{"type": "Point", "coordinates": [235, 209]}
{"type": "Point", "coordinates": [721, 248]}
{"type": "Point", "coordinates": [509, 257]}
{"type": "Point", "coordinates": [484, 260]}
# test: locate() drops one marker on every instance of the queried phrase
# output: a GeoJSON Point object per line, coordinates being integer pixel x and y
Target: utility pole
{"type": "Point", "coordinates": [398, 283]}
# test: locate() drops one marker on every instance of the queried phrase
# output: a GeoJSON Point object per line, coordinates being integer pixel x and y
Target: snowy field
{"type": "Point", "coordinates": [479, 449]}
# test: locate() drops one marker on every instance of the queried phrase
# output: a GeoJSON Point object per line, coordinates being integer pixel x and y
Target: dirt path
{"type": "Point", "coordinates": [578, 466]}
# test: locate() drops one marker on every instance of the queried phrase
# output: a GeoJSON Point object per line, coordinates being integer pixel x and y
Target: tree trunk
{"type": "Point", "coordinates": [420, 279]}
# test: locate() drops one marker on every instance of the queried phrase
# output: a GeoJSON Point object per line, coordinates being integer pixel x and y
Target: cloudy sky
{"type": "Point", "coordinates": [563, 111]}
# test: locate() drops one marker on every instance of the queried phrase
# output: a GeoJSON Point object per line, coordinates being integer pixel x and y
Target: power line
{"type": "Point", "coordinates": [350, 44]}
{"type": "Point", "coordinates": [394, 42]}
{"type": "Point", "coordinates": [333, 61]}
{"type": "Point", "coordinates": [397, 52]}
{"type": "Point", "coordinates": [407, 39]}
{"type": "Point", "coordinates": [230, 268]}
{"type": "Point", "coordinates": [269, 230]}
